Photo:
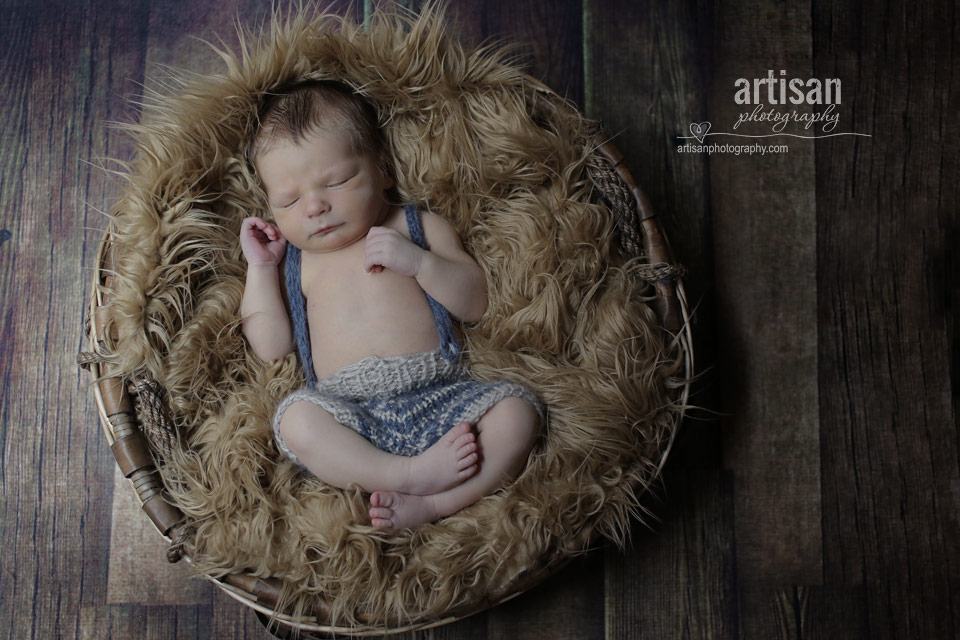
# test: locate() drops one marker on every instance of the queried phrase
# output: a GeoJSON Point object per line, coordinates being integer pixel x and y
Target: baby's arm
{"type": "Point", "coordinates": [446, 271]}
{"type": "Point", "coordinates": [266, 323]}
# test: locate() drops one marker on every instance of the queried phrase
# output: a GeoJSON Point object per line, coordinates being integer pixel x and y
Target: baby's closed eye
{"type": "Point", "coordinates": [341, 182]}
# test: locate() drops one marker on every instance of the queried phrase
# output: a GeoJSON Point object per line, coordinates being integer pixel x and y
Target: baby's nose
{"type": "Point", "coordinates": [316, 205]}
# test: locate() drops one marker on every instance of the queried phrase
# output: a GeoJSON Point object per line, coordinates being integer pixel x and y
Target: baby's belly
{"type": "Point", "coordinates": [382, 314]}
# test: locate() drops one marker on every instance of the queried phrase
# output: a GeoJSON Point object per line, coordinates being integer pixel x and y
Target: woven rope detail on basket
{"type": "Point", "coordinates": [151, 410]}
{"type": "Point", "coordinates": [86, 359]}
{"type": "Point", "coordinates": [180, 536]}
{"type": "Point", "coordinates": [622, 204]}
{"type": "Point", "coordinates": [624, 209]}
{"type": "Point", "coordinates": [150, 406]}
{"type": "Point", "coordinates": [661, 271]}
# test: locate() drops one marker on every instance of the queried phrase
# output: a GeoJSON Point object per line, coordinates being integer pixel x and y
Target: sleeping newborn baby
{"type": "Point", "coordinates": [366, 292]}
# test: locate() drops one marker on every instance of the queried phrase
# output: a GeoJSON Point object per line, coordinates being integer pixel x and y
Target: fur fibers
{"type": "Point", "coordinates": [567, 316]}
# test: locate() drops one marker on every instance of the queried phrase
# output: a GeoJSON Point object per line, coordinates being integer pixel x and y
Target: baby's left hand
{"type": "Point", "coordinates": [389, 249]}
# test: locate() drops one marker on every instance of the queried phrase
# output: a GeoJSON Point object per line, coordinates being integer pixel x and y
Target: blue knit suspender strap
{"type": "Point", "coordinates": [298, 314]}
{"type": "Point", "coordinates": [448, 341]}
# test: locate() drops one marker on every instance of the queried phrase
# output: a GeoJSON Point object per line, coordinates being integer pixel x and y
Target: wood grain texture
{"type": "Point", "coordinates": [891, 490]}
{"type": "Point", "coordinates": [64, 68]}
{"type": "Point", "coordinates": [885, 378]}
{"type": "Point", "coordinates": [645, 70]}
{"type": "Point", "coordinates": [765, 222]}
{"type": "Point", "coordinates": [795, 613]}
{"type": "Point", "coordinates": [679, 580]}
{"type": "Point", "coordinates": [122, 622]}
{"type": "Point", "coordinates": [139, 570]}
{"type": "Point", "coordinates": [568, 605]}
{"type": "Point", "coordinates": [549, 37]}
{"type": "Point", "coordinates": [230, 619]}
{"type": "Point", "coordinates": [472, 628]}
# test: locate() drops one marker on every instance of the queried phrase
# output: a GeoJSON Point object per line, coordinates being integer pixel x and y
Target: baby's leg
{"type": "Point", "coordinates": [506, 434]}
{"type": "Point", "coordinates": [340, 456]}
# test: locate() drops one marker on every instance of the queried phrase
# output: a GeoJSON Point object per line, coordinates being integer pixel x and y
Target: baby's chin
{"type": "Point", "coordinates": [331, 244]}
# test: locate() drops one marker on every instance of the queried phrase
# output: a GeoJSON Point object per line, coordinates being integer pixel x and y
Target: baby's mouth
{"type": "Point", "coordinates": [322, 231]}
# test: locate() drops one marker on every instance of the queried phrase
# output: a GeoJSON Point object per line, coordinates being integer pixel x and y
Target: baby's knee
{"type": "Point", "coordinates": [516, 415]}
{"type": "Point", "coordinates": [295, 428]}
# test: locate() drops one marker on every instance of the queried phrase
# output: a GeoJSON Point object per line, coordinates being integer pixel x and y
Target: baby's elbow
{"type": "Point", "coordinates": [476, 310]}
{"type": "Point", "coordinates": [481, 300]}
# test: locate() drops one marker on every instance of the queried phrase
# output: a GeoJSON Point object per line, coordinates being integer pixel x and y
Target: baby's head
{"type": "Point", "coordinates": [320, 156]}
{"type": "Point", "coordinates": [323, 107]}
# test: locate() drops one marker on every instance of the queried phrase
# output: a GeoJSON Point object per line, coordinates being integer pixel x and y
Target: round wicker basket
{"type": "Point", "coordinates": [130, 409]}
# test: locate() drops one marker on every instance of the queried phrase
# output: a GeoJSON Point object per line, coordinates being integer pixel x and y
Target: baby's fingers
{"type": "Point", "coordinates": [371, 263]}
{"type": "Point", "coordinates": [254, 227]}
{"type": "Point", "coordinates": [273, 232]}
{"type": "Point", "coordinates": [255, 221]}
{"type": "Point", "coordinates": [268, 231]}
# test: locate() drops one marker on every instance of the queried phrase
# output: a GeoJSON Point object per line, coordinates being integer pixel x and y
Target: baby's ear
{"type": "Point", "coordinates": [387, 180]}
{"type": "Point", "coordinates": [383, 165]}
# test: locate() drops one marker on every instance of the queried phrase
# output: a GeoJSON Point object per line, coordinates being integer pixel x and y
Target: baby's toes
{"type": "Point", "coordinates": [380, 513]}
{"type": "Point", "coordinates": [467, 461]}
{"type": "Point", "coordinates": [466, 451]}
{"type": "Point", "coordinates": [382, 499]}
{"type": "Point", "coordinates": [464, 440]}
{"type": "Point", "coordinates": [461, 430]}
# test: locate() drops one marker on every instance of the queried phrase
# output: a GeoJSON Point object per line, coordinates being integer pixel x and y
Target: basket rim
{"type": "Point", "coordinates": [522, 582]}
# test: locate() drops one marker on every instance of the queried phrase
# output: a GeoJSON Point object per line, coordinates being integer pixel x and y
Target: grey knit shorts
{"type": "Point", "coordinates": [403, 404]}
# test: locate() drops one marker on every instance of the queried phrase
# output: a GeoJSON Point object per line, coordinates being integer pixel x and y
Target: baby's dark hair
{"type": "Point", "coordinates": [318, 106]}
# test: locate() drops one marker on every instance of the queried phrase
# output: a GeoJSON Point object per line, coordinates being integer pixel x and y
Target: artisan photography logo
{"type": "Point", "coordinates": [778, 107]}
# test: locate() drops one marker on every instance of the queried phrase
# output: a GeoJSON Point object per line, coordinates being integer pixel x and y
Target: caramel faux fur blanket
{"type": "Point", "coordinates": [568, 316]}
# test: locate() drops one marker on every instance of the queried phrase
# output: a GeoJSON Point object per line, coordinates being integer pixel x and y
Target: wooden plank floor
{"type": "Point", "coordinates": [816, 495]}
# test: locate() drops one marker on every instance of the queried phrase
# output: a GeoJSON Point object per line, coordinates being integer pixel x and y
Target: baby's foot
{"type": "Point", "coordinates": [392, 510]}
{"type": "Point", "coordinates": [450, 461]}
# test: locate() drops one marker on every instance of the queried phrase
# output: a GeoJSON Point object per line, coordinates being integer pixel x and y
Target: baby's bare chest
{"type": "Point", "coordinates": [352, 313]}
{"type": "Point", "coordinates": [358, 294]}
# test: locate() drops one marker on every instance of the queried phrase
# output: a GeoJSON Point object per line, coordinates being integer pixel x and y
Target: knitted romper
{"type": "Point", "coordinates": [402, 404]}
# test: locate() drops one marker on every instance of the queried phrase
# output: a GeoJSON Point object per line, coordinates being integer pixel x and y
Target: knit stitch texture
{"type": "Point", "coordinates": [403, 404]}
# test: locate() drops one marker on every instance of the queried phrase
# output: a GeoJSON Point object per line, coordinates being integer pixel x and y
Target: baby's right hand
{"type": "Point", "coordinates": [262, 242]}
